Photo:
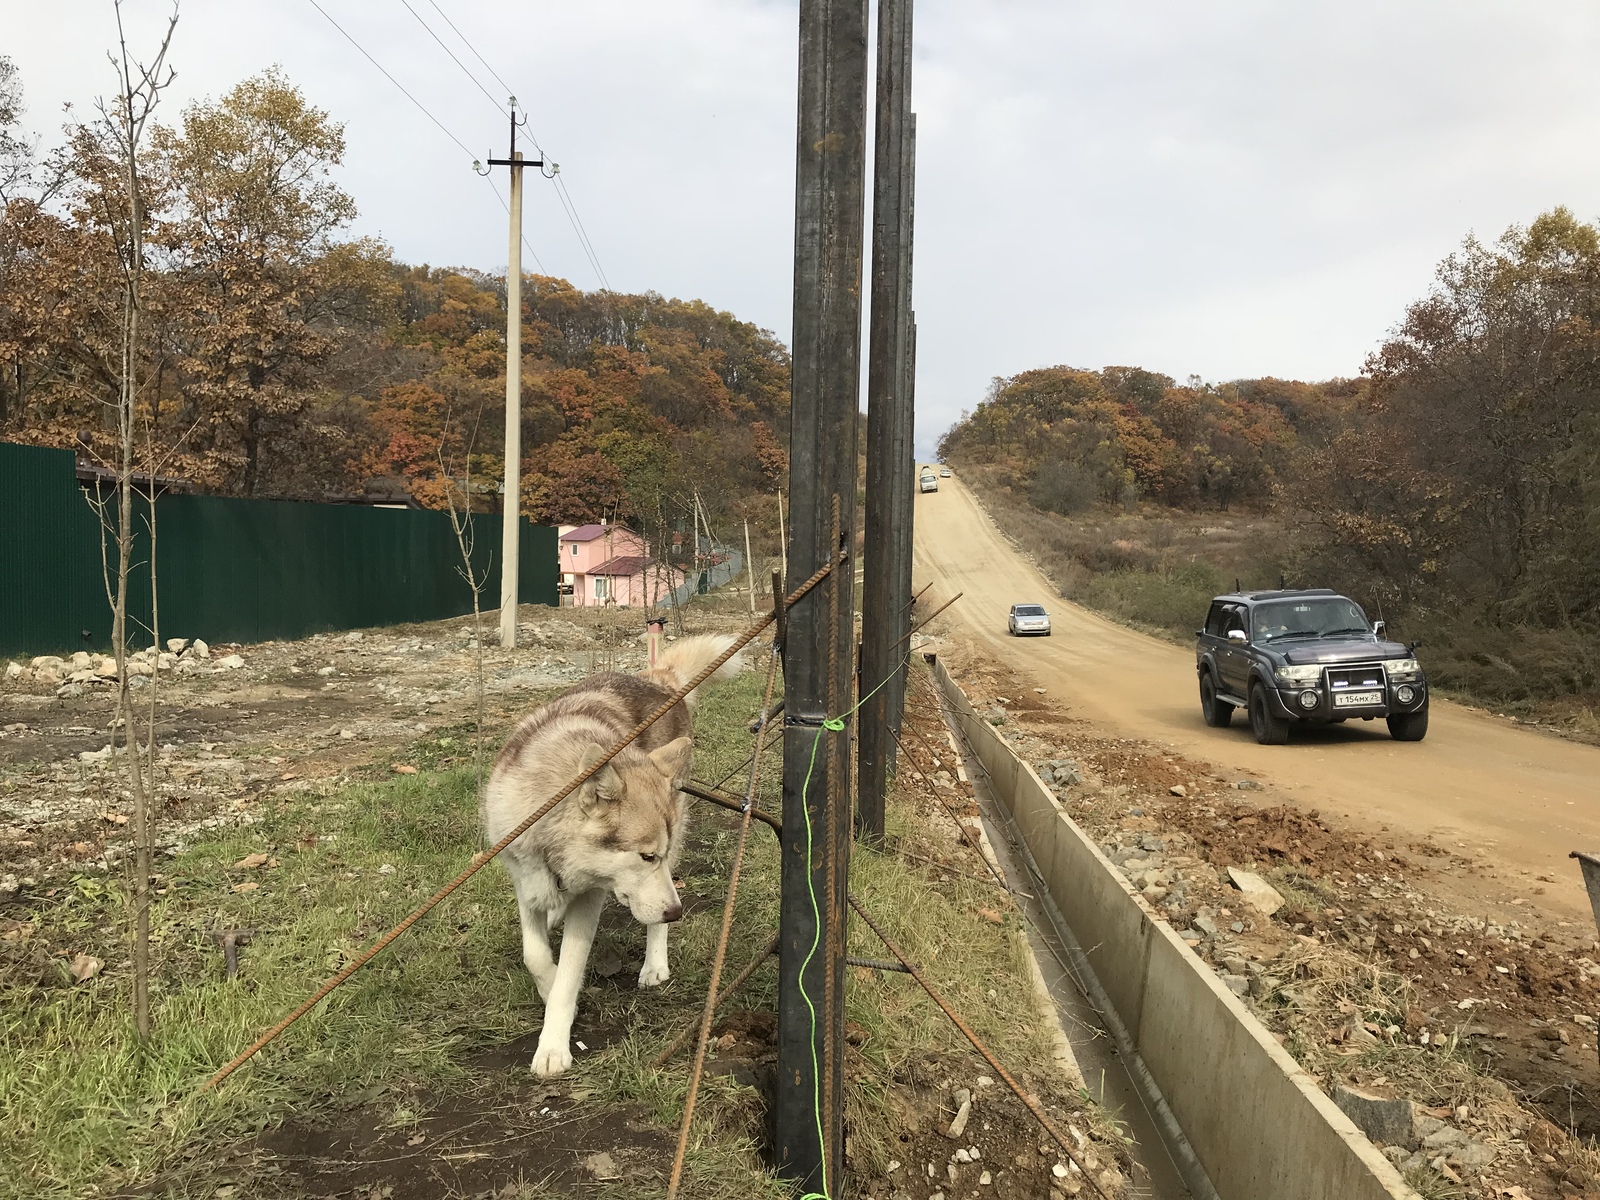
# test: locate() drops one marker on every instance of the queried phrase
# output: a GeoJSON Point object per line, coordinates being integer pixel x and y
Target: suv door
{"type": "Point", "coordinates": [1233, 660]}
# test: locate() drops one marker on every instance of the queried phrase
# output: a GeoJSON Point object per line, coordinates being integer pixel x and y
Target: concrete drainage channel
{"type": "Point", "coordinates": [1219, 1109]}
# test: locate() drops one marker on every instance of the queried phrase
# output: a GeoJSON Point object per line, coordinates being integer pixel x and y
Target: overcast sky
{"type": "Point", "coordinates": [1227, 189]}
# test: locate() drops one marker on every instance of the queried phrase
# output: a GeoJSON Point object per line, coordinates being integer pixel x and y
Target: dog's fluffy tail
{"type": "Point", "coordinates": [682, 660]}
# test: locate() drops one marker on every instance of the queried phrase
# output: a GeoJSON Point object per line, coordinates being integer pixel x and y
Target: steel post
{"type": "Point", "coordinates": [881, 599]}
{"type": "Point", "coordinates": [819, 641]}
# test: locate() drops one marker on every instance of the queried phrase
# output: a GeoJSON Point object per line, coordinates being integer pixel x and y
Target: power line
{"type": "Point", "coordinates": [594, 255]}
{"type": "Point", "coordinates": [424, 109]}
{"type": "Point", "coordinates": [476, 55]}
{"type": "Point", "coordinates": [562, 194]}
{"type": "Point", "coordinates": [499, 107]}
{"type": "Point", "coordinates": [569, 206]}
{"type": "Point", "coordinates": [391, 78]}
{"type": "Point", "coordinates": [577, 229]}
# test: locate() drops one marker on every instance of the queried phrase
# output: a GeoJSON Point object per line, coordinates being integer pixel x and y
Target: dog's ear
{"type": "Point", "coordinates": [605, 785]}
{"type": "Point", "coordinates": [673, 759]}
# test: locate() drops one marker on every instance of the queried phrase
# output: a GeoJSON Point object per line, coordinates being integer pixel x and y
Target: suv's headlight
{"type": "Point", "coordinates": [1403, 668]}
{"type": "Point", "coordinates": [1309, 674]}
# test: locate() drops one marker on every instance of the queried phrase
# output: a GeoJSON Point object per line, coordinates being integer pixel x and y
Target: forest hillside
{"type": "Point", "coordinates": [1456, 484]}
{"type": "Point", "coordinates": [284, 357]}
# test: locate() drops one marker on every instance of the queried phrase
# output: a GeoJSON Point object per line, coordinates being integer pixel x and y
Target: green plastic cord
{"type": "Point", "coordinates": [832, 725]}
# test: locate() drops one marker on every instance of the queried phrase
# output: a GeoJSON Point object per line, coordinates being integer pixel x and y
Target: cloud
{"type": "Point", "coordinates": [1230, 188]}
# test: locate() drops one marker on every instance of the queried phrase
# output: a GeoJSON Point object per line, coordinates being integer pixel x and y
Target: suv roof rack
{"type": "Point", "coordinates": [1285, 593]}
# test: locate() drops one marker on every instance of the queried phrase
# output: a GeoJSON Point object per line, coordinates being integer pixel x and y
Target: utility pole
{"type": "Point", "coordinates": [819, 656]}
{"type": "Point", "coordinates": [882, 601]}
{"type": "Point", "coordinates": [749, 565]}
{"type": "Point", "coordinates": [511, 507]}
{"type": "Point", "coordinates": [783, 539]}
{"type": "Point", "coordinates": [699, 521]}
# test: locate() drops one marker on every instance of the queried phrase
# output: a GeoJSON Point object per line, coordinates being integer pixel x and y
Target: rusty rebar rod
{"type": "Point", "coordinates": [727, 993]}
{"type": "Point", "coordinates": [721, 954]}
{"type": "Point", "coordinates": [732, 803]}
{"type": "Point", "coordinates": [1029, 1101]}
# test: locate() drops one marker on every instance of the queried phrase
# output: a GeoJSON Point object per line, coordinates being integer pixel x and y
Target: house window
{"type": "Point", "coordinates": [574, 549]}
{"type": "Point", "coordinates": [602, 587]}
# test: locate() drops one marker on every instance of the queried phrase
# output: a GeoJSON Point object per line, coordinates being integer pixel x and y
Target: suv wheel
{"type": "Point", "coordinates": [1269, 728]}
{"type": "Point", "coordinates": [1218, 713]}
{"type": "Point", "coordinates": [1409, 727]}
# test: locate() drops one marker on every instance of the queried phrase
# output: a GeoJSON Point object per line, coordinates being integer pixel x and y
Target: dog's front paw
{"type": "Point", "coordinates": [551, 1060]}
{"type": "Point", "coordinates": [654, 975]}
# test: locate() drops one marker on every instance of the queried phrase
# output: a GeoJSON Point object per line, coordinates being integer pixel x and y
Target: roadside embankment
{"type": "Point", "coordinates": [1256, 1121]}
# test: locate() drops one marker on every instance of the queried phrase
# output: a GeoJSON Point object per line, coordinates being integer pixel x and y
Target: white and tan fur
{"type": "Point", "coordinates": [620, 833]}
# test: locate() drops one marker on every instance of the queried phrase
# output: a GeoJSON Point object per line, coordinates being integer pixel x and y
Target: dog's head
{"type": "Point", "coordinates": [631, 807]}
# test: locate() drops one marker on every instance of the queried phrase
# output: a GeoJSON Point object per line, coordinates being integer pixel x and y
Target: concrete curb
{"type": "Point", "coordinates": [1257, 1122]}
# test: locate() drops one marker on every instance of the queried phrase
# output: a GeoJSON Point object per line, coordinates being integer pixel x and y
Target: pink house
{"type": "Point", "coordinates": [611, 564]}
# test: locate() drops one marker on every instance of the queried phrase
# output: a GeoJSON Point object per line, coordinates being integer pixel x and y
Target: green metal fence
{"type": "Point", "coordinates": [232, 570]}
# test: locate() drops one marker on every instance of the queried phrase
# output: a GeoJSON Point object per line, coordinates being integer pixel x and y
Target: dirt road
{"type": "Point", "coordinates": [1478, 785]}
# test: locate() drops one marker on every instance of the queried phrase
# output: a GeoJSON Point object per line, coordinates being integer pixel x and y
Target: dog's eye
{"type": "Point", "coordinates": [649, 857]}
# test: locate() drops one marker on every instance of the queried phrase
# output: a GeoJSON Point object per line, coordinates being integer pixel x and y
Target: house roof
{"type": "Point", "coordinates": [622, 565]}
{"type": "Point", "coordinates": [588, 533]}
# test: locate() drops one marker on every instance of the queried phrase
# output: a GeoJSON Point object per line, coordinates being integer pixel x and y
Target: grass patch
{"type": "Point", "coordinates": [84, 1108]}
{"type": "Point", "coordinates": [86, 1105]}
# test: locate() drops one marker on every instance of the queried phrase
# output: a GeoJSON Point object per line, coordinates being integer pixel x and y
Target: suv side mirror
{"type": "Point", "coordinates": [1378, 627]}
{"type": "Point", "coordinates": [1237, 635]}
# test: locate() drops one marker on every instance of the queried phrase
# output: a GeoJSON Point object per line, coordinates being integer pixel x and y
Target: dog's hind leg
{"type": "Point", "coordinates": [655, 970]}
{"type": "Point", "coordinates": [554, 1052]}
{"type": "Point", "coordinates": [535, 935]}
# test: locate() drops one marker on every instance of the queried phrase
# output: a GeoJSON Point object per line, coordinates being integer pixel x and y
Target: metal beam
{"type": "Point", "coordinates": [882, 602]}
{"type": "Point", "coordinates": [905, 481]}
{"type": "Point", "coordinates": [819, 648]}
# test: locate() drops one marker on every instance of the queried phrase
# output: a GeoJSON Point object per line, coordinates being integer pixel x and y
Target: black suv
{"type": "Point", "coordinates": [1307, 656]}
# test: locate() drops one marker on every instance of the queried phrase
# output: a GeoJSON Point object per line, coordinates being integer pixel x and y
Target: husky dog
{"type": "Point", "coordinates": [621, 832]}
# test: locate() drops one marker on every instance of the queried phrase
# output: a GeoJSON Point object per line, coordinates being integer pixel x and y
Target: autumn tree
{"type": "Point", "coordinates": [269, 290]}
{"type": "Point", "coordinates": [1083, 437]}
{"type": "Point", "coordinates": [1468, 481]}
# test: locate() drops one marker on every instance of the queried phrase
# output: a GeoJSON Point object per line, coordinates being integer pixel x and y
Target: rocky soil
{"type": "Point", "coordinates": [1462, 1042]}
{"type": "Point", "coordinates": [235, 725]}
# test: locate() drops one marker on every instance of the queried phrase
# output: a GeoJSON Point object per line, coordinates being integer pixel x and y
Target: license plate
{"type": "Point", "coordinates": [1356, 699]}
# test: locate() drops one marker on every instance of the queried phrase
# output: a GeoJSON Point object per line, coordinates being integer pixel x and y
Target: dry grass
{"type": "Point", "coordinates": [1151, 567]}
{"type": "Point", "coordinates": [1313, 984]}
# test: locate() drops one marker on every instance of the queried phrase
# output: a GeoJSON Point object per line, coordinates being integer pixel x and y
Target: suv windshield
{"type": "Point", "coordinates": [1029, 610]}
{"type": "Point", "coordinates": [1307, 618]}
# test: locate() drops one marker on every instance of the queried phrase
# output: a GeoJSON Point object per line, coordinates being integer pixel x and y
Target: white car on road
{"type": "Point", "coordinates": [1028, 619]}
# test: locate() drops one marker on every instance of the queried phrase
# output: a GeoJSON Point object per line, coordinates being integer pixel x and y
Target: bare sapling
{"type": "Point", "coordinates": [476, 578]}
{"type": "Point", "coordinates": [139, 89]}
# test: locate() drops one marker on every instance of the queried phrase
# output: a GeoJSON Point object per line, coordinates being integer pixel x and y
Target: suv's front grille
{"type": "Point", "coordinates": [1362, 675]}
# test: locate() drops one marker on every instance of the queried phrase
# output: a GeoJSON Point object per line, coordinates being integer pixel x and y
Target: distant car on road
{"type": "Point", "coordinates": [1028, 619]}
{"type": "Point", "coordinates": [944, 472]}
{"type": "Point", "coordinates": [1307, 657]}
{"type": "Point", "coordinates": [927, 481]}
